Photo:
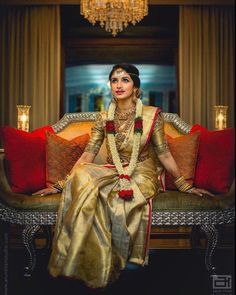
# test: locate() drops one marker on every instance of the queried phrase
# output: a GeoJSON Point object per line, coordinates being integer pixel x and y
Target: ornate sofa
{"type": "Point", "coordinates": [170, 208]}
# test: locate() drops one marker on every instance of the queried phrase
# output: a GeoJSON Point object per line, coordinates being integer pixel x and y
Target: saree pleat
{"type": "Point", "coordinates": [97, 232]}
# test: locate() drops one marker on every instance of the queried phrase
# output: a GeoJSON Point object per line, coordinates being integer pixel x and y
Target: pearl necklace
{"type": "Point", "coordinates": [126, 191]}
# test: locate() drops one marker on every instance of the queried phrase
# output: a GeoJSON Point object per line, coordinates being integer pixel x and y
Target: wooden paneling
{"type": "Point", "coordinates": [79, 51]}
{"type": "Point", "coordinates": [172, 237]}
{"type": "Point", "coordinates": [179, 237]}
{"type": "Point", "coordinates": [153, 40]}
{"type": "Point", "coordinates": [154, 2]}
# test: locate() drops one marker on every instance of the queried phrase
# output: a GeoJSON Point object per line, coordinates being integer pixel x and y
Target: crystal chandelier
{"type": "Point", "coordinates": [114, 15]}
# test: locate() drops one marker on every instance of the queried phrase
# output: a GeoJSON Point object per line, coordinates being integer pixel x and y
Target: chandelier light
{"type": "Point", "coordinates": [114, 15]}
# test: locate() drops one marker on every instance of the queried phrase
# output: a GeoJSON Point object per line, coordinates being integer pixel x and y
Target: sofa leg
{"type": "Point", "coordinates": [28, 240]}
{"type": "Point", "coordinates": [211, 234]}
{"type": "Point", "coordinates": [195, 236]}
{"type": "Point", "coordinates": [48, 234]}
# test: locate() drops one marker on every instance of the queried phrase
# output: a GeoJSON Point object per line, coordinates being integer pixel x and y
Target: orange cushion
{"type": "Point", "coordinates": [62, 154]}
{"type": "Point", "coordinates": [184, 150]}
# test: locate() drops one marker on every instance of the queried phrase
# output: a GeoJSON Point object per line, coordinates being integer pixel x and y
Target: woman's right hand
{"type": "Point", "coordinates": [46, 191]}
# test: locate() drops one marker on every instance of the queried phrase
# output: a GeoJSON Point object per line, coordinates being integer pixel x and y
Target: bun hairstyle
{"type": "Point", "coordinates": [130, 69]}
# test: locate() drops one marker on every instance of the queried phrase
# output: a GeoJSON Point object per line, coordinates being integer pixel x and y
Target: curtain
{"type": "Point", "coordinates": [206, 63]}
{"type": "Point", "coordinates": [30, 63]}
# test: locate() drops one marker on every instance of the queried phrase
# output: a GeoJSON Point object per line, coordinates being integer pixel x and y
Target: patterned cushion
{"type": "Point", "coordinates": [61, 155]}
{"type": "Point", "coordinates": [184, 150]}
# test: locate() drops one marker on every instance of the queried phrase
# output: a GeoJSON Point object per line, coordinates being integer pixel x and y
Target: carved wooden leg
{"type": "Point", "coordinates": [211, 234]}
{"type": "Point", "coordinates": [28, 240]}
{"type": "Point", "coordinates": [195, 237]}
{"type": "Point", "coordinates": [48, 233]}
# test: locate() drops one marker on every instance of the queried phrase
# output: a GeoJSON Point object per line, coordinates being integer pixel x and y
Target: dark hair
{"type": "Point", "coordinates": [130, 69]}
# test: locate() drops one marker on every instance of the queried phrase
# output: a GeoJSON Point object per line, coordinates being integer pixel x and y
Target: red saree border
{"type": "Point", "coordinates": [162, 176]}
{"type": "Point", "coordinates": [158, 110]}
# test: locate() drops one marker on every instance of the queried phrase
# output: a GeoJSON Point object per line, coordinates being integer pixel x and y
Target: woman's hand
{"type": "Point", "coordinates": [46, 191]}
{"type": "Point", "coordinates": [199, 191]}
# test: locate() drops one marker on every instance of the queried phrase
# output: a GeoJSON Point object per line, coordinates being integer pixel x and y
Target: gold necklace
{"type": "Point", "coordinates": [124, 115]}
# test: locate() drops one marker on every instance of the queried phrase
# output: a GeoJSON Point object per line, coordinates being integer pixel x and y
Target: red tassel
{"type": "Point", "coordinates": [126, 194]}
{"type": "Point", "coordinates": [122, 176]}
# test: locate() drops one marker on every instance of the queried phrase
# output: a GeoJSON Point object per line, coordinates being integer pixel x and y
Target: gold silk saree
{"type": "Point", "coordinates": [97, 232]}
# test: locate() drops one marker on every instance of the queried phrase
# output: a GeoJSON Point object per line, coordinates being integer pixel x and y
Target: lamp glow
{"type": "Point", "coordinates": [23, 117]}
{"type": "Point", "coordinates": [220, 117]}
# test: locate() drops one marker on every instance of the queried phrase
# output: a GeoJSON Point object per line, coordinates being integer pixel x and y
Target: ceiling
{"type": "Point", "coordinates": [154, 2]}
{"type": "Point", "coordinates": [161, 21]}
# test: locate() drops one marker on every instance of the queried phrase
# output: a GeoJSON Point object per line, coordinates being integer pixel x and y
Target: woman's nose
{"type": "Point", "coordinates": [119, 84]}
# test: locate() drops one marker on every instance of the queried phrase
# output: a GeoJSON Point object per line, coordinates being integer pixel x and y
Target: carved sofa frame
{"type": "Point", "coordinates": [32, 220]}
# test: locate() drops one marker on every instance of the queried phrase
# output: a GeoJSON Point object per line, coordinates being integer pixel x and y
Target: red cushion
{"type": "Point", "coordinates": [25, 158]}
{"type": "Point", "coordinates": [216, 157]}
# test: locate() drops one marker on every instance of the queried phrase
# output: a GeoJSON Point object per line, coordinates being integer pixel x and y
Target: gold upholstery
{"type": "Point", "coordinates": [75, 129]}
{"type": "Point", "coordinates": [79, 128]}
{"type": "Point", "coordinates": [171, 130]}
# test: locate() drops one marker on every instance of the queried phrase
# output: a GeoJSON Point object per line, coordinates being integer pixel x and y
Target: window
{"type": "Point", "coordinates": [87, 88]}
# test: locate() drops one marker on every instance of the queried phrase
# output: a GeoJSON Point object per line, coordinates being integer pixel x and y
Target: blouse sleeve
{"type": "Point", "coordinates": [158, 136]}
{"type": "Point", "coordinates": [97, 136]}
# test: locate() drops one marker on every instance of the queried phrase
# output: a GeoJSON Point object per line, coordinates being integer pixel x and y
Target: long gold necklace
{"type": "Point", "coordinates": [123, 122]}
{"type": "Point", "coordinates": [126, 192]}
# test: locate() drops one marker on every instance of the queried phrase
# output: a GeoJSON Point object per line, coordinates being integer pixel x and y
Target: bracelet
{"type": "Point", "coordinates": [182, 185]}
{"type": "Point", "coordinates": [60, 184]}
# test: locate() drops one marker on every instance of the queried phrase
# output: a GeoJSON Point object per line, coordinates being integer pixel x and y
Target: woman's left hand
{"type": "Point", "coordinates": [200, 192]}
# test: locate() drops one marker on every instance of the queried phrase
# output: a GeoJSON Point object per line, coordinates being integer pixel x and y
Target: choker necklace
{"type": "Point", "coordinates": [124, 115]}
{"type": "Point", "coordinates": [126, 192]}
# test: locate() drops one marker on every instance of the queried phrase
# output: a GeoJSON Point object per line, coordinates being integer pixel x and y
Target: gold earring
{"type": "Point", "coordinates": [134, 98]}
{"type": "Point", "coordinates": [114, 99]}
{"type": "Point", "coordinates": [136, 95]}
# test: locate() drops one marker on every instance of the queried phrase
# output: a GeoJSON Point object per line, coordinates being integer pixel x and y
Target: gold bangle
{"type": "Point", "coordinates": [60, 184]}
{"type": "Point", "coordinates": [181, 184]}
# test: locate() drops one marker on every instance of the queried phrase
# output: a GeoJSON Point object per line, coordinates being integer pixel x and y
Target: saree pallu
{"type": "Point", "coordinates": [97, 232]}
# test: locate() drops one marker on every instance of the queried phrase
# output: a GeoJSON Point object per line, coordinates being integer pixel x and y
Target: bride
{"type": "Point", "coordinates": [104, 217]}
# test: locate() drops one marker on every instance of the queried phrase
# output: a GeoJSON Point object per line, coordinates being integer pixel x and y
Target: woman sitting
{"type": "Point", "coordinates": [105, 213]}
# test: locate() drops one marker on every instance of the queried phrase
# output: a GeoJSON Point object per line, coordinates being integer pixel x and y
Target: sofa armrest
{"type": "Point", "coordinates": [4, 184]}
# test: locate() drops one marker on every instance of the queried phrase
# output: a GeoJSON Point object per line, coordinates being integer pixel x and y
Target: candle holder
{"type": "Point", "coordinates": [23, 117]}
{"type": "Point", "coordinates": [220, 117]}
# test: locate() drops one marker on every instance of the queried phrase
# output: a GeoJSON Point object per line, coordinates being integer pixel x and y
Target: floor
{"type": "Point", "coordinates": [170, 272]}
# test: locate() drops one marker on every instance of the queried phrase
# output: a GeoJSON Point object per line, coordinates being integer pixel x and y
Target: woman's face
{"type": "Point", "coordinates": [122, 86]}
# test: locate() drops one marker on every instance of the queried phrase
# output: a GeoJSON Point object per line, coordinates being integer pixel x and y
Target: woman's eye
{"type": "Point", "coordinates": [126, 80]}
{"type": "Point", "coordinates": [113, 80]}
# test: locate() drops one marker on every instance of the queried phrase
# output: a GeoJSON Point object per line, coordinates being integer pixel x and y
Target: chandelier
{"type": "Point", "coordinates": [114, 15]}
